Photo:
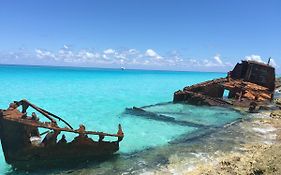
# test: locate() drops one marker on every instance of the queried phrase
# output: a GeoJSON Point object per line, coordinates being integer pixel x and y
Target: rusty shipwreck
{"type": "Point", "coordinates": [24, 147]}
{"type": "Point", "coordinates": [249, 84]}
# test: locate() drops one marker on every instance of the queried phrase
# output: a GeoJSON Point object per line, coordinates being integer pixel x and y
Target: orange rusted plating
{"type": "Point", "coordinates": [23, 147]}
{"type": "Point", "coordinates": [249, 82]}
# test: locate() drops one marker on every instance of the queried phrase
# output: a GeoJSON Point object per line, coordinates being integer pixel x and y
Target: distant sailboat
{"type": "Point", "coordinates": [122, 68]}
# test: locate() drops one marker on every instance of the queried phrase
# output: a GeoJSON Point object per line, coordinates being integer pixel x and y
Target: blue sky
{"type": "Point", "coordinates": [207, 35]}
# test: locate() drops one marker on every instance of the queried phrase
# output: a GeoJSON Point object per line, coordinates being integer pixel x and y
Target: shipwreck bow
{"type": "Point", "coordinates": [23, 145]}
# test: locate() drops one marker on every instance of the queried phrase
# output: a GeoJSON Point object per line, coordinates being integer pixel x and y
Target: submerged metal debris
{"type": "Point", "coordinates": [249, 84]}
{"type": "Point", "coordinates": [24, 147]}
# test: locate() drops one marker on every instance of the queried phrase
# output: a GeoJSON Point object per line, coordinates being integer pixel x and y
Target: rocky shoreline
{"type": "Point", "coordinates": [256, 159]}
{"type": "Point", "coordinates": [252, 158]}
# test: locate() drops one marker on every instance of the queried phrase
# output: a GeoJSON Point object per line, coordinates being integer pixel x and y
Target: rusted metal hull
{"type": "Point", "coordinates": [26, 156]}
{"type": "Point", "coordinates": [249, 82]}
{"type": "Point", "coordinates": [17, 131]}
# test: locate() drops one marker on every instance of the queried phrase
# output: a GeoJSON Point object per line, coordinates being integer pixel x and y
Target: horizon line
{"type": "Point", "coordinates": [90, 67]}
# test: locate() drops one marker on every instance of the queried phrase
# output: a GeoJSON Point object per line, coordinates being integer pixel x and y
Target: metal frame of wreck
{"type": "Point", "coordinates": [244, 90]}
{"type": "Point", "coordinates": [53, 124]}
{"type": "Point", "coordinates": [17, 129]}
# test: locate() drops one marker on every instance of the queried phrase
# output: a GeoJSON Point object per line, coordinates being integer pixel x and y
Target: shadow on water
{"type": "Point", "coordinates": [160, 117]}
{"type": "Point", "coordinates": [176, 113]}
{"type": "Point", "coordinates": [65, 166]}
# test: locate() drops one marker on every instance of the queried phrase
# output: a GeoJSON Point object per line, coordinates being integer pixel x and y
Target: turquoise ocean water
{"type": "Point", "coordinates": [99, 98]}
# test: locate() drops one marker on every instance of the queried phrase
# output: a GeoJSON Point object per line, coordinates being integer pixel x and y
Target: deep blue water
{"type": "Point", "coordinates": [99, 97]}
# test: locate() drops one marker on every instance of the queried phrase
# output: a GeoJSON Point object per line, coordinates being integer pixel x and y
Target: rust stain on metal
{"type": "Point", "coordinates": [249, 82]}
{"type": "Point", "coordinates": [24, 147]}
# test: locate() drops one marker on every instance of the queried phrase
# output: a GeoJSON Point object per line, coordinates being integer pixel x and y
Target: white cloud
{"type": "Point", "coordinates": [133, 51]}
{"type": "Point", "coordinates": [273, 63]}
{"type": "Point", "coordinates": [254, 58]}
{"type": "Point", "coordinates": [194, 62]}
{"type": "Point", "coordinates": [66, 55]}
{"type": "Point", "coordinates": [109, 51]}
{"type": "Point", "coordinates": [258, 58]}
{"type": "Point", "coordinates": [131, 58]}
{"type": "Point", "coordinates": [215, 62]}
{"type": "Point", "coordinates": [218, 60]}
{"type": "Point", "coordinates": [87, 55]}
{"type": "Point", "coordinates": [65, 47]}
{"type": "Point", "coordinates": [146, 62]}
{"type": "Point", "coordinates": [152, 54]}
{"type": "Point", "coordinates": [44, 54]}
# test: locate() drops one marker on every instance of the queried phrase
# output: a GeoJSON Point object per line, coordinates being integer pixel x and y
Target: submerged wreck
{"type": "Point", "coordinates": [24, 148]}
{"type": "Point", "coordinates": [249, 84]}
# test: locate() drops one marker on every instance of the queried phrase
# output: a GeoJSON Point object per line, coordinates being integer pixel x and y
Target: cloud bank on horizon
{"type": "Point", "coordinates": [129, 58]}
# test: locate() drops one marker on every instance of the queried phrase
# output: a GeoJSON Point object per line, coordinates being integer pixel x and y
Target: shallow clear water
{"type": "Point", "coordinates": [99, 97]}
{"type": "Point", "coordinates": [201, 115]}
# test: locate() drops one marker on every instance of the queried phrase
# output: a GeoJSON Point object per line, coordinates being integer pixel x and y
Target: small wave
{"type": "Point", "coordinates": [265, 130]}
{"type": "Point", "coordinates": [260, 115]}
